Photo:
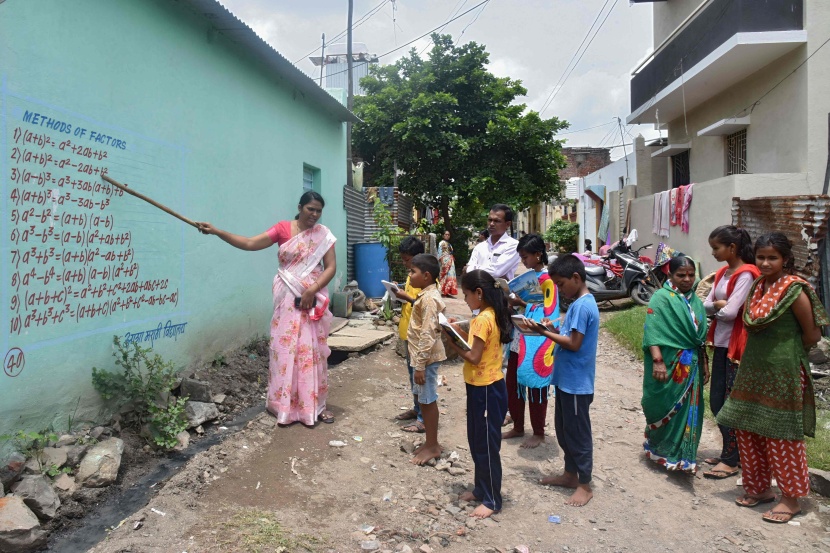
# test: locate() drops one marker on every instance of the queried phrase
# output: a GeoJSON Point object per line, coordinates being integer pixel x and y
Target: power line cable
{"type": "Point", "coordinates": [591, 28]}
{"type": "Point", "coordinates": [464, 30]}
{"type": "Point", "coordinates": [556, 92]}
{"type": "Point", "coordinates": [585, 129]}
{"type": "Point", "coordinates": [752, 106]}
{"type": "Point", "coordinates": [455, 10]}
{"type": "Point", "coordinates": [365, 17]}
{"type": "Point", "coordinates": [416, 39]}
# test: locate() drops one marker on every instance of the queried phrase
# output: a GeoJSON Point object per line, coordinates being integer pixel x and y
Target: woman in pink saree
{"type": "Point", "coordinates": [298, 382]}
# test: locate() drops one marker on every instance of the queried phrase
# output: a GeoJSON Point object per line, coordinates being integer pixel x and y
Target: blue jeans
{"type": "Point", "coordinates": [428, 391]}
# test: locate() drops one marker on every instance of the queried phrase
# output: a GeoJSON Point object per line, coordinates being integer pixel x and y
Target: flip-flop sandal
{"type": "Point", "coordinates": [416, 427]}
{"type": "Point", "coordinates": [407, 415]}
{"type": "Point", "coordinates": [748, 501]}
{"type": "Point", "coordinates": [326, 417]}
{"type": "Point", "coordinates": [788, 516]}
{"type": "Point", "coordinates": [720, 474]}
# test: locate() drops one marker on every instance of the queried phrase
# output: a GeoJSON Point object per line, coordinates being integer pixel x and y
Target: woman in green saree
{"type": "Point", "coordinates": [676, 368]}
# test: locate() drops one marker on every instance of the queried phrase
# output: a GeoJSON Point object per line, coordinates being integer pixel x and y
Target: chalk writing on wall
{"type": "Point", "coordinates": [79, 256]}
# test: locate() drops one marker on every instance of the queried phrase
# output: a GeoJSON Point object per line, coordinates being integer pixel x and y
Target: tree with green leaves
{"type": "Point", "coordinates": [455, 133]}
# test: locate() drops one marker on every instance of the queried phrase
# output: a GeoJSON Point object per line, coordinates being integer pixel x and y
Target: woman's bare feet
{"type": "Point", "coordinates": [512, 433]}
{"type": "Point", "coordinates": [564, 480]}
{"type": "Point", "coordinates": [533, 441]}
{"type": "Point", "coordinates": [482, 512]}
{"type": "Point", "coordinates": [581, 496]}
{"type": "Point", "coordinates": [468, 496]}
{"type": "Point", "coordinates": [424, 453]}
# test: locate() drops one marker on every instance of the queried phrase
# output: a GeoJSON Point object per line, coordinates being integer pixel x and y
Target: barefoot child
{"type": "Point", "coordinates": [486, 392]}
{"type": "Point", "coordinates": [409, 248]}
{"type": "Point", "coordinates": [574, 367]}
{"type": "Point", "coordinates": [426, 350]}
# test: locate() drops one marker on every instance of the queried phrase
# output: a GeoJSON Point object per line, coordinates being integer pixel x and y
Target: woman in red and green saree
{"type": "Point", "coordinates": [772, 406]}
{"type": "Point", "coordinates": [676, 368]}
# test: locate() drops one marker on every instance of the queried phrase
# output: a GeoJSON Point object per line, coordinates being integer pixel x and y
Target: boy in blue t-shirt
{"type": "Point", "coordinates": [574, 367]}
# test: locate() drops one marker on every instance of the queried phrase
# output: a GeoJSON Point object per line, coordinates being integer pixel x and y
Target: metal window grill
{"type": "Point", "coordinates": [308, 179]}
{"type": "Point", "coordinates": [736, 153]}
{"type": "Point", "coordinates": [681, 172]}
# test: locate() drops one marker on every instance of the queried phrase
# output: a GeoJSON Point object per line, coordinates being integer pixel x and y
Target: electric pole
{"type": "Point", "coordinates": [322, 58]}
{"type": "Point", "coordinates": [350, 97]}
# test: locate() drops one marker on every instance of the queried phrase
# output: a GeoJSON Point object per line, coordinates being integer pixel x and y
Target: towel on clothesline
{"type": "Point", "coordinates": [687, 204]}
{"type": "Point", "coordinates": [672, 207]}
{"type": "Point", "coordinates": [665, 217]}
{"type": "Point", "coordinates": [655, 215]}
{"type": "Point", "coordinates": [677, 206]}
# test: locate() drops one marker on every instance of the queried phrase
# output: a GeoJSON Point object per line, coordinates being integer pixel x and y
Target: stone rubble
{"type": "Point", "coordinates": [99, 466]}
{"type": "Point", "coordinates": [37, 493]}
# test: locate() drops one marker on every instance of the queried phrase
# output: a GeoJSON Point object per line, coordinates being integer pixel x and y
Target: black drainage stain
{"type": "Point", "coordinates": [129, 501]}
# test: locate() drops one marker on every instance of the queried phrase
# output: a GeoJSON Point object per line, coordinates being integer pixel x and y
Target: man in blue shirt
{"type": "Point", "coordinates": [574, 367]}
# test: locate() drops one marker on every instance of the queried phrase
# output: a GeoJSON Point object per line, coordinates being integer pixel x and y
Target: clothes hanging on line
{"type": "Point", "coordinates": [677, 206]}
{"type": "Point", "coordinates": [665, 217]}
{"type": "Point", "coordinates": [655, 215]}
{"type": "Point", "coordinates": [687, 204]}
{"type": "Point", "coordinates": [672, 204]}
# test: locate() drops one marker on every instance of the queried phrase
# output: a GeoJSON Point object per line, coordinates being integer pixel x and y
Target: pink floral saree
{"type": "Point", "coordinates": [298, 382]}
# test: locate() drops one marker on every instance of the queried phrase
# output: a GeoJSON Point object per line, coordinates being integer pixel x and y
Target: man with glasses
{"type": "Point", "coordinates": [497, 255]}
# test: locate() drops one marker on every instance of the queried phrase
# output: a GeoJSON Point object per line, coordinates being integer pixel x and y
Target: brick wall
{"type": "Point", "coordinates": [584, 161]}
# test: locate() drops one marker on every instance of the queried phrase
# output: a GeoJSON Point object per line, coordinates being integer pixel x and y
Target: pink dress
{"type": "Point", "coordinates": [298, 380]}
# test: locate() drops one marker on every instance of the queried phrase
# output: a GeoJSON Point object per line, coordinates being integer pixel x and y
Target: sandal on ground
{"type": "Point", "coordinates": [788, 516]}
{"type": "Point", "coordinates": [712, 461]}
{"type": "Point", "coordinates": [747, 500]}
{"type": "Point", "coordinates": [719, 474]}
{"type": "Point", "coordinates": [416, 427]}
{"type": "Point", "coordinates": [326, 417]}
{"type": "Point", "coordinates": [407, 415]}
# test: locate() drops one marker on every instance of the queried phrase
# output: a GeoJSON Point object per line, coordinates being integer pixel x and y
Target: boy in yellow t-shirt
{"type": "Point", "coordinates": [409, 248]}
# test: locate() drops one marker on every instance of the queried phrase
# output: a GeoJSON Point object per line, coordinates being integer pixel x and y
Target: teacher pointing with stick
{"type": "Point", "coordinates": [298, 382]}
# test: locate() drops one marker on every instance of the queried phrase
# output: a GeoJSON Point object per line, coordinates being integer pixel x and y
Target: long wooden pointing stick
{"type": "Point", "coordinates": [150, 201]}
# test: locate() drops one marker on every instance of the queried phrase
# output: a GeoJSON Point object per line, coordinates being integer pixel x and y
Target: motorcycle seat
{"type": "Point", "coordinates": [595, 271]}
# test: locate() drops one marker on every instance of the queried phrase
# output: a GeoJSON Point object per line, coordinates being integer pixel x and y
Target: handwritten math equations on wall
{"type": "Point", "coordinates": [80, 257]}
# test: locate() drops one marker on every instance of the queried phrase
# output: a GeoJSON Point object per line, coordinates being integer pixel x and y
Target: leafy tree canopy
{"type": "Point", "coordinates": [455, 132]}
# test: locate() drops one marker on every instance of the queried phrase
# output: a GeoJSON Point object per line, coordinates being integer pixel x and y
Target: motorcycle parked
{"type": "Point", "coordinates": [632, 278]}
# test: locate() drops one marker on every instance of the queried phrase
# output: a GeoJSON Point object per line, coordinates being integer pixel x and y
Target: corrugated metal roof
{"type": "Point", "coordinates": [803, 219]}
{"type": "Point", "coordinates": [239, 33]}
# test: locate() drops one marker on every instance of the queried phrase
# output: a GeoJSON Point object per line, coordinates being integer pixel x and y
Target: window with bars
{"type": "Point", "coordinates": [311, 178]}
{"type": "Point", "coordinates": [736, 153]}
{"type": "Point", "coordinates": [681, 171]}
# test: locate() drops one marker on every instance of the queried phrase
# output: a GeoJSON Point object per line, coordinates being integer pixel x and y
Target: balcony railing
{"type": "Point", "coordinates": [716, 24]}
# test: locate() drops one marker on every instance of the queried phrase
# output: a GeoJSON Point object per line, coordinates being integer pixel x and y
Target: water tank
{"type": "Point", "coordinates": [370, 267]}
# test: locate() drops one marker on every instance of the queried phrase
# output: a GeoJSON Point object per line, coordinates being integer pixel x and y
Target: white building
{"type": "Point", "coordinates": [744, 111]}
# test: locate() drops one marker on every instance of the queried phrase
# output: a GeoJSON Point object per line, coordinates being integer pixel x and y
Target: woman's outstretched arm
{"type": "Point", "coordinates": [250, 244]}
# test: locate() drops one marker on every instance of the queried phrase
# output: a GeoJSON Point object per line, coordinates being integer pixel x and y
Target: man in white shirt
{"type": "Point", "coordinates": [497, 255]}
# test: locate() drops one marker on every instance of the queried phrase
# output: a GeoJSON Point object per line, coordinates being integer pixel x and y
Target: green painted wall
{"type": "Point", "coordinates": [203, 128]}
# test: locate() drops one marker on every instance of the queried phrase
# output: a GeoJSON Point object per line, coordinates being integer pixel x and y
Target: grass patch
{"type": "Point", "coordinates": [257, 531]}
{"type": "Point", "coordinates": [818, 448]}
{"type": "Point", "coordinates": [627, 328]}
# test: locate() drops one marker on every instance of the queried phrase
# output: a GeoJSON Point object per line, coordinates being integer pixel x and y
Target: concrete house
{"type": "Point", "coordinates": [742, 110]}
{"type": "Point", "coordinates": [186, 104]}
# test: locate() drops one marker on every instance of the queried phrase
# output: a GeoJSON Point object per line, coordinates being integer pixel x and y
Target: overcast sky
{"type": "Point", "coordinates": [530, 40]}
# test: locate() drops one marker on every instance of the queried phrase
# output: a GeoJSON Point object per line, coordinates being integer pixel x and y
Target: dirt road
{"type": "Point", "coordinates": [367, 494]}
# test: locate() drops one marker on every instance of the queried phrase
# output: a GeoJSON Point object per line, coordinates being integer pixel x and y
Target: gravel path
{"type": "Point", "coordinates": [367, 491]}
